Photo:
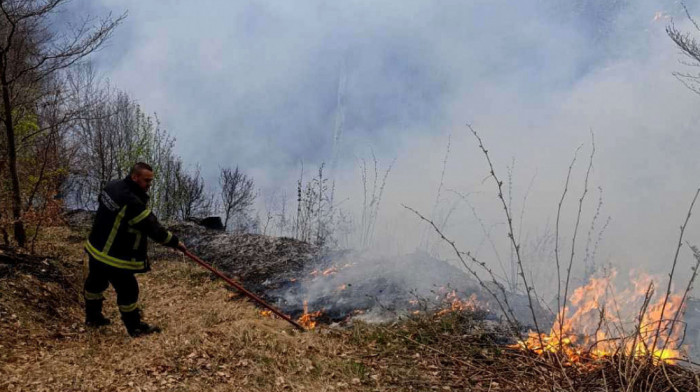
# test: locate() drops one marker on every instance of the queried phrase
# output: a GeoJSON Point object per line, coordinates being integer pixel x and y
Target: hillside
{"type": "Point", "coordinates": [213, 340]}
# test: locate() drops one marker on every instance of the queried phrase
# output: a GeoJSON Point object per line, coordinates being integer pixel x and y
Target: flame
{"type": "Point", "coordinates": [457, 305]}
{"type": "Point", "coordinates": [326, 272]}
{"type": "Point", "coordinates": [600, 322]}
{"type": "Point", "coordinates": [329, 271]}
{"type": "Point", "coordinates": [341, 287]}
{"type": "Point", "coordinates": [266, 313]}
{"type": "Point", "coordinates": [308, 320]}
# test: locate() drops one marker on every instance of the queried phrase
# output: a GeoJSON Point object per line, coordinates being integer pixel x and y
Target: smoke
{"type": "Point", "coordinates": [268, 85]}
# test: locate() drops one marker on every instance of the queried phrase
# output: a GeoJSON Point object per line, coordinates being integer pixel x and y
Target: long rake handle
{"type": "Point", "coordinates": [243, 290]}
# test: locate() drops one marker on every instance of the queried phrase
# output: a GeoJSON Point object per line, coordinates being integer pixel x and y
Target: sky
{"type": "Point", "coordinates": [269, 85]}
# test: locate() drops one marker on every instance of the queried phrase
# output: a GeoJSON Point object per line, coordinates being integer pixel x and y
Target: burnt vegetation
{"type": "Point", "coordinates": [375, 323]}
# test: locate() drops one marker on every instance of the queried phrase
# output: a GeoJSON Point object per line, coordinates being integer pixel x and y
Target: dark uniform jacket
{"type": "Point", "coordinates": [122, 223]}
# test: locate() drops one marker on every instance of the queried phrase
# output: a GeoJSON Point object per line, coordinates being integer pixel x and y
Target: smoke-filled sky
{"type": "Point", "coordinates": [269, 84]}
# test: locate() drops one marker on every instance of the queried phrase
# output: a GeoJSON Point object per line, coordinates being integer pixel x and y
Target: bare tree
{"type": "Point", "coordinates": [31, 52]}
{"type": "Point", "coordinates": [192, 199]}
{"type": "Point", "coordinates": [112, 134]}
{"type": "Point", "coordinates": [237, 193]}
{"type": "Point", "coordinates": [689, 47]}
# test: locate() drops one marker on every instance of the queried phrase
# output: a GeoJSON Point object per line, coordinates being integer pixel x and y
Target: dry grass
{"type": "Point", "coordinates": [213, 340]}
{"type": "Point", "coordinates": [460, 352]}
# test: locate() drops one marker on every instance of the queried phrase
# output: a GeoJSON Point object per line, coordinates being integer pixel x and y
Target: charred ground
{"type": "Point", "coordinates": [343, 285]}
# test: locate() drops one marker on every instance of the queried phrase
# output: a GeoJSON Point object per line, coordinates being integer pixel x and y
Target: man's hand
{"type": "Point", "coordinates": [181, 247]}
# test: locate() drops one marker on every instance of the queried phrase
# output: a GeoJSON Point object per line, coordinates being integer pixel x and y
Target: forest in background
{"type": "Point", "coordinates": [67, 132]}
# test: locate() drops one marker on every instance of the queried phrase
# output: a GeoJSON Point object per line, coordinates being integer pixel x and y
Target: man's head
{"type": "Point", "coordinates": [142, 175]}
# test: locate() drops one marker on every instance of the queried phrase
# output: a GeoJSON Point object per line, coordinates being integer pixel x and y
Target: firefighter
{"type": "Point", "coordinates": [117, 248]}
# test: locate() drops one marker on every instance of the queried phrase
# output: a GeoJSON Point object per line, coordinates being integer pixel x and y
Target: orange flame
{"type": "Point", "coordinates": [604, 324]}
{"type": "Point", "coordinates": [308, 320]}
{"type": "Point", "coordinates": [457, 305]}
{"type": "Point", "coordinates": [326, 272]}
{"type": "Point", "coordinates": [329, 271]}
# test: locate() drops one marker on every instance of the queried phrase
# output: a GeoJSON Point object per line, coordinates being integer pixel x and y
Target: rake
{"type": "Point", "coordinates": [242, 289]}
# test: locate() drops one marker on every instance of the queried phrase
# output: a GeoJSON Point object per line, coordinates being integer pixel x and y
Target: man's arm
{"type": "Point", "coordinates": [146, 221]}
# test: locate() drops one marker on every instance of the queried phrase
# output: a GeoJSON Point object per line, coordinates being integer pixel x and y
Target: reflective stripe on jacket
{"type": "Point", "coordinates": [122, 223]}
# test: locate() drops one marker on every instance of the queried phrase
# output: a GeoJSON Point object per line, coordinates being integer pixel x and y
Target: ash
{"type": "Point", "coordinates": [344, 285]}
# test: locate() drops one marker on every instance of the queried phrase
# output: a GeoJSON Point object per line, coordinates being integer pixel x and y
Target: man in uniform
{"type": "Point", "coordinates": [117, 248]}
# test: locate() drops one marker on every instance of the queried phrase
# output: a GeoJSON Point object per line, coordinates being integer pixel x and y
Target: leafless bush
{"type": "Point", "coordinates": [640, 354]}
{"type": "Point", "coordinates": [372, 197]}
{"type": "Point", "coordinates": [113, 134]}
{"type": "Point", "coordinates": [192, 198]}
{"type": "Point", "coordinates": [237, 195]}
{"type": "Point", "coordinates": [316, 213]}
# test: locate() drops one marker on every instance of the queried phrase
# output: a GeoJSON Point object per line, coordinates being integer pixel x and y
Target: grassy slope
{"type": "Point", "coordinates": [215, 341]}
{"type": "Point", "coordinates": [211, 339]}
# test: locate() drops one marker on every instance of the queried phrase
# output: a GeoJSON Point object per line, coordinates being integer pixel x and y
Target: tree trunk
{"type": "Point", "coordinates": [228, 215]}
{"type": "Point", "coordinates": [20, 235]}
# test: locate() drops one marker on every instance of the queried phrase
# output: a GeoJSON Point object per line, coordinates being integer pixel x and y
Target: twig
{"type": "Point", "coordinates": [433, 349]}
{"type": "Point", "coordinates": [487, 236]}
{"type": "Point", "coordinates": [588, 270]}
{"type": "Point", "coordinates": [556, 243]}
{"type": "Point", "coordinates": [522, 217]}
{"type": "Point", "coordinates": [663, 367]}
{"type": "Point", "coordinates": [693, 275]}
{"type": "Point", "coordinates": [673, 267]}
{"type": "Point", "coordinates": [511, 234]}
{"type": "Point", "coordinates": [576, 226]}
{"type": "Point", "coordinates": [505, 306]}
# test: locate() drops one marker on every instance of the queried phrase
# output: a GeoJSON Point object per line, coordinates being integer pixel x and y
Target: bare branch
{"type": "Point", "coordinates": [673, 267]}
{"type": "Point", "coordinates": [576, 226]}
{"type": "Point", "coordinates": [511, 234]}
{"type": "Point", "coordinates": [505, 305]}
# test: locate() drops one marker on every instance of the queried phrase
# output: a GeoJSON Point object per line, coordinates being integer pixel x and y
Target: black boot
{"type": "Point", "coordinates": [93, 313]}
{"type": "Point", "coordinates": [135, 327]}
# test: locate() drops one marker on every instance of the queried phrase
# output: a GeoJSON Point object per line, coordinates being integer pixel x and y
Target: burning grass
{"type": "Point", "coordinates": [461, 350]}
{"type": "Point", "coordinates": [600, 324]}
{"type": "Point", "coordinates": [215, 340]}
{"type": "Point", "coordinates": [308, 320]}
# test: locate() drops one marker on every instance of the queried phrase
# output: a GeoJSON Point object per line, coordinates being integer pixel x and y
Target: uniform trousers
{"type": "Point", "coordinates": [101, 275]}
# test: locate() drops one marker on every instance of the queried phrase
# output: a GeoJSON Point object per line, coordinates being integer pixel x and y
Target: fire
{"type": "Point", "coordinates": [326, 272]}
{"type": "Point", "coordinates": [308, 320]}
{"type": "Point", "coordinates": [330, 271]}
{"type": "Point", "coordinates": [341, 287]}
{"type": "Point", "coordinates": [266, 313]}
{"type": "Point", "coordinates": [600, 322]}
{"type": "Point", "coordinates": [457, 305]}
